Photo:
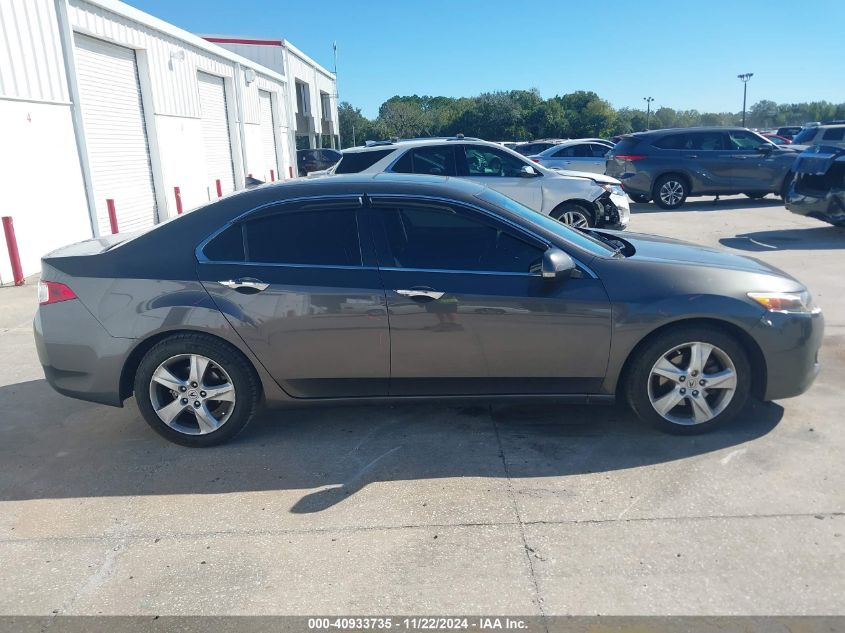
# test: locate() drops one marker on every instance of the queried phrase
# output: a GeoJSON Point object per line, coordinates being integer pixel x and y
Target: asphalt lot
{"type": "Point", "coordinates": [429, 509]}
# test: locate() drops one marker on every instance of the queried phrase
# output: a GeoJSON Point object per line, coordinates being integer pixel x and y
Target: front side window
{"type": "Point", "coordinates": [317, 237]}
{"type": "Point", "coordinates": [441, 238]}
{"type": "Point", "coordinates": [491, 162]}
{"type": "Point", "coordinates": [436, 160]}
{"type": "Point", "coordinates": [740, 139]}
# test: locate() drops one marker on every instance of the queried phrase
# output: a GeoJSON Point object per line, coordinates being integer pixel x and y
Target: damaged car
{"type": "Point", "coordinates": [818, 188]}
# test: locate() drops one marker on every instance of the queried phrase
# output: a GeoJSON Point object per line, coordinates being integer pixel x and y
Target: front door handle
{"type": "Point", "coordinates": [421, 293]}
{"type": "Point", "coordinates": [740, 157]}
{"type": "Point", "coordinates": [245, 284]}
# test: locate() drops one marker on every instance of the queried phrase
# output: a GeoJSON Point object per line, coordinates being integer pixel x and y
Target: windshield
{"type": "Point", "coordinates": [582, 240]}
{"type": "Point", "coordinates": [805, 136]}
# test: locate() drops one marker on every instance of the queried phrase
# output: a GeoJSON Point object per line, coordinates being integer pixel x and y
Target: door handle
{"type": "Point", "coordinates": [740, 157]}
{"type": "Point", "coordinates": [421, 293]}
{"type": "Point", "coordinates": [245, 284]}
{"type": "Point", "coordinates": [692, 155]}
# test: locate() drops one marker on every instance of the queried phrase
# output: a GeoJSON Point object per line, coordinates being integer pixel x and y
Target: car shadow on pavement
{"type": "Point", "coordinates": [710, 204]}
{"type": "Point", "coordinates": [55, 447]}
{"type": "Point", "coordinates": [814, 239]}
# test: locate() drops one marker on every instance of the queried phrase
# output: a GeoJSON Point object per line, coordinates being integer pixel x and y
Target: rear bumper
{"type": "Point", "coordinates": [636, 183]}
{"type": "Point", "coordinates": [829, 206]}
{"type": "Point", "coordinates": [80, 359]}
{"type": "Point", "coordinates": [790, 344]}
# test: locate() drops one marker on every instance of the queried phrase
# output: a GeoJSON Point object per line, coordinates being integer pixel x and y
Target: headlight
{"type": "Point", "coordinates": [615, 190]}
{"type": "Point", "coordinates": [790, 302]}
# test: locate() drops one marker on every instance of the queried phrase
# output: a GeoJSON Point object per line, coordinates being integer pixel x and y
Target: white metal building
{"type": "Point", "coordinates": [100, 101]}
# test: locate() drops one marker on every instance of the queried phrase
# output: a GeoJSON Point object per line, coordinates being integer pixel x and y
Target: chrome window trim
{"type": "Point", "coordinates": [278, 265]}
{"type": "Point", "coordinates": [460, 272]}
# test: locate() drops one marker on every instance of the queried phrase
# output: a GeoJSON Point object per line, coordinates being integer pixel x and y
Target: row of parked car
{"type": "Point", "coordinates": [587, 182]}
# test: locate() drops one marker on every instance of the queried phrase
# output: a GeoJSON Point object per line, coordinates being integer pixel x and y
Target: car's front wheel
{"type": "Point", "coordinates": [670, 191]}
{"type": "Point", "coordinates": [574, 215]}
{"type": "Point", "coordinates": [196, 390]}
{"type": "Point", "coordinates": [689, 379]}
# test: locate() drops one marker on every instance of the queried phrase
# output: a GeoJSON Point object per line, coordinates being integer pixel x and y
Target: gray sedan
{"type": "Point", "coordinates": [367, 288]}
{"type": "Point", "coordinates": [588, 155]}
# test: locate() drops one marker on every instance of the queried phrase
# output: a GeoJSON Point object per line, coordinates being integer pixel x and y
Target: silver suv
{"type": "Point", "coordinates": [833, 135]}
{"type": "Point", "coordinates": [579, 199]}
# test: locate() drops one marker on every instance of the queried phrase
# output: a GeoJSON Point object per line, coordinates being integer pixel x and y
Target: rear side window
{"type": "Point", "coordinates": [706, 141]}
{"type": "Point", "coordinates": [435, 161]}
{"type": "Point", "coordinates": [355, 162]}
{"type": "Point", "coordinates": [672, 141]}
{"type": "Point", "coordinates": [317, 237]}
{"type": "Point", "coordinates": [834, 134]}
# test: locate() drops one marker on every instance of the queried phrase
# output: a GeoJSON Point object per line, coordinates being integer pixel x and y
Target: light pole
{"type": "Point", "coordinates": [744, 78]}
{"type": "Point", "coordinates": [648, 101]}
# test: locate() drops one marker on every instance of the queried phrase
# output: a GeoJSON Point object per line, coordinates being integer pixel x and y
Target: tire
{"type": "Point", "coordinates": [787, 181]}
{"type": "Point", "coordinates": [575, 215]}
{"type": "Point", "coordinates": [196, 418]}
{"type": "Point", "coordinates": [757, 195]}
{"type": "Point", "coordinates": [670, 191]}
{"type": "Point", "coordinates": [639, 198]}
{"type": "Point", "coordinates": [646, 390]}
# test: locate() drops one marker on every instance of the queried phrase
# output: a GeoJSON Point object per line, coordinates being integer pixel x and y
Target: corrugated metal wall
{"type": "Point", "coordinates": [31, 65]}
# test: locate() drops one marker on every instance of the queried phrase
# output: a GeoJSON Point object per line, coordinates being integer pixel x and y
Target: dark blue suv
{"type": "Point", "coordinates": [669, 165]}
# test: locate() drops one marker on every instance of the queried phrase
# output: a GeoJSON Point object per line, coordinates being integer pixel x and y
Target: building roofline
{"type": "Point", "coordinates": [157, 24]}
{"type": "Point", "coordinates": [258, 41]}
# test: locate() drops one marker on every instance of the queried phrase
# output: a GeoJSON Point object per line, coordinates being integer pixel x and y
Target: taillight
{"type": "Point", "coordinates": [631, 156]}
{"type": "Point", "coordinates": [53, 292]}
{"type": "Point", "coordinates": [536, 160]}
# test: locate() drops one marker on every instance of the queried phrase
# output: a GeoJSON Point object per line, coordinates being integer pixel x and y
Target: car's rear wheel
{"type": "Point", "coordinates": [689, 379]}
{"type": "Point", "coordinates": [575, 215]}
{"type": "Point", "coordinates": [196, 390]}
{"type": "Point", "coordinates": [670, 191]}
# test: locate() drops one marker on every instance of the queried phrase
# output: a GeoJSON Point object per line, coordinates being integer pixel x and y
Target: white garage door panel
{"type": "Point", "coordinates": [115, 135]}
{"type": "Point", "coordinates": [268, 136]}
{"type": "Point", "coordinates": [215, 134]}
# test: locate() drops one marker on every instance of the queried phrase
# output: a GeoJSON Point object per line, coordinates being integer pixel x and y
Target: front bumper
{"type": "Point", "coordinates": [828, 206]}
{"type": "Point", "coordinates": [613, 211]}
{"type": "Point", "coordinates": [80, 359]}
{"type": "Point", "coordinates": [790, 345]}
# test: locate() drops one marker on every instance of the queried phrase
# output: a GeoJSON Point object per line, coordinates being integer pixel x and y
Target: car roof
{"type": "Point", "coordinates": [417, 142]}
{"type": "Point", "coordinates": [700, 128]}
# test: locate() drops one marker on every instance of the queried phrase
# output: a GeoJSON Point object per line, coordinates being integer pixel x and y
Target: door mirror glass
{"type": "Point", "coordinates": [527, 171]}
{"type": "Point", "coordinates": [557, 264]}
{"type": "Point", "coordinates": [765, 149]}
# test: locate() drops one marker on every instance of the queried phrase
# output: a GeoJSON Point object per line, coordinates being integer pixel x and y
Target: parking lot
{"type": "Point", "coordinates": [427, 509]}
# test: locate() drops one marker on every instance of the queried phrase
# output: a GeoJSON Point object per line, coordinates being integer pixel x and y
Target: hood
{"type": "Point", "coordinates": [818, 160]}
{"type": "Point", "coordinates": [658, 249]}
{"type": "Point", "coordinates": [599, 178]}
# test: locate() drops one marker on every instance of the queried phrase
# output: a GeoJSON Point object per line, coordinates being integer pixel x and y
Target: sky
{"type": "Point", "coordinates": [684, 53]}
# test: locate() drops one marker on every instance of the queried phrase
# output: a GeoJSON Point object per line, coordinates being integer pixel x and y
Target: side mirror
{"type": "Point", "coordinates": [765, 149]}
{"type": "Point", "coordinates": [557, 264]}
{"type": "Point", "coordinates": [527, 171]}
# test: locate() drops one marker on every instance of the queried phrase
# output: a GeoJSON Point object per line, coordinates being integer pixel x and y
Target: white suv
{"type": "Point", "coordinates": [821, 135]}
{"type": "Point", "coordinates": [579, 199]}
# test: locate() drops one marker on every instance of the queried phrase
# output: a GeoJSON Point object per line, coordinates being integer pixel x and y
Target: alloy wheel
{"type": "Point", "coordinates": [575, 219]}
{"type": "Point", "coordinates": [692, 383]}
{"type": "Point", "coordinates": [192, 394]}
{"type": "Point", "coordinates": [672, 192]}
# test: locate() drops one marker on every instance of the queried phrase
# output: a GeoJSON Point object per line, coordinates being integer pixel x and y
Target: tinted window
{"type": "Point", "coordinates": [672, 141]}
{"type": "Point", "coordinates": [805, 136]}
{"type": "Point", "coordinates": [565, 152]}
{"type": "Point", "coordinates": [354, 162]}
{"type": "Point", "coordinates": [626, 145]}
{"type": "Point", "coordinates": [598, 151]}
{"type": "Point", "coordinates": [328, 237]}
{"type": "Point", "coordinates": [435, 238]}
{"type": "Point", "coordinates": [834, 134]}
{"type": "Point", "coordinates": [226, 247]}
{"type": "Point", "coordinates": [487, 161]}
{"type": "Point", "coordinates": [705, 141]}
{"type": "Point", "coordinates": [436, 160]}
{"type": "Point", "coordinates": [740, 139]}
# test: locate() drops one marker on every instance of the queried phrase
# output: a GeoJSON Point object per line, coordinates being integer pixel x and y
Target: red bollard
{"type": "Point", "coordinates": [272, 175]}
{"type": "Point", "coordinates": [14, 255]}
{"type": "Point", "coordinates": [219, 188]}
{"type": "Point", "coordinates": [178, 195]}
{"type": "Point", "coordinates": [112, 216]}
{"type": "Point", "coordinates": [290, 170]}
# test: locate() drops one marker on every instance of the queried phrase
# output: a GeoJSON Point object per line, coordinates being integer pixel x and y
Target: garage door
{"type": "Point", "coordinates": [268, 136]}
{"type": "Point", "coordinates": [115, 134]}
{"type": "Point", "coordinates": [215, 134]}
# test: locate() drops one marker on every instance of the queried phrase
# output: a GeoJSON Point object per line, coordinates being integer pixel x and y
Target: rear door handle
{"type": "Point", "coordinates": [421, 293]}
{"type": "Point", "coordinates": [692, 155]}
{"type": "Point", "coordinates": [245, 284]}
